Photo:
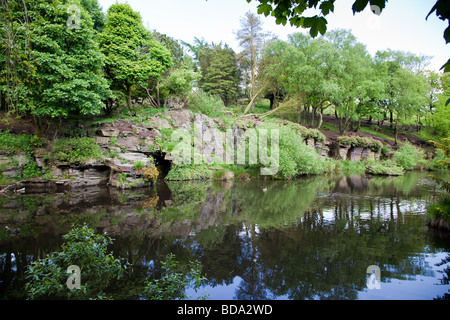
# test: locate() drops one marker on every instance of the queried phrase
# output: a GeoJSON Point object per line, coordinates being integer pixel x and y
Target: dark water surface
{"type": "Point", "coordinates": [313, 238]}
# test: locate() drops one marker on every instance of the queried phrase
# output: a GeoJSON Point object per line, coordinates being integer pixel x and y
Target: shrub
{"type": "Point", "coordinates": [438, 164]}
{"type": "Point", "coordinates": [172, 284]}
{"type": "Point", "coordinates": [439, 210]}
{"type": "Point", "coordinates": [25, 142]}
{"type": "Point", "coordinates": [362, 142]}
{"type": "Point", "coordinates": [76, 150]}
{"type": "Point", "coordinates": [46, 278]}
{"type": "Point", "coordinates": [31, 170]}
{"type": "Point", "coordinates": [315, 134]}
{"type": "Point", "coordinates": [205, 103]}
{"type": "Point", "coordinates": [189, 172]}
{"type": "Point", "coordinates": [408, 157]}
{"type": "Point", "coordinates": [385, 168]}
{"type": "Point", "coordinates": [150, 172]}
{"type": "Point", "coordinates": [295, 157]}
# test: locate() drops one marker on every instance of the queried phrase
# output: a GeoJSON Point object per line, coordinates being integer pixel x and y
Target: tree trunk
{"type": "Point", "coordinates": [128, 96]}
{"type": "Point", "coordinates": [158, 102]}
{"type": "Point", "coordinates": [339, 121]}
{"type": "Point", "coordinates": [319, 125]}
{"type": "Point", "coordinates": [396, 133]}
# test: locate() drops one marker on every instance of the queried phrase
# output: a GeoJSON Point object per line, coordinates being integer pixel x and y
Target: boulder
{"type": "Point", "coordinates": [356, 154]}
{"type": "Point", "coordinates": [133, 157]}
{"type": "Point", "coordinates": [158, 123]}
{"type": "Point", "coordinates": [180, 119]}
{"type": "Point", "coordinates": [343, 152]}
{"type": "Point", "coordinates": [108, 132]}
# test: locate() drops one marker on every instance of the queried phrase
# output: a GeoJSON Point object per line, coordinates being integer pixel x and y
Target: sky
{"type": "Point", "coordinates": [401, 25]}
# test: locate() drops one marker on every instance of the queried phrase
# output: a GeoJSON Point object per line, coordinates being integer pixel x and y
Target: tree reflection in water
{"type": "Point", "coordinates": [311, 238]}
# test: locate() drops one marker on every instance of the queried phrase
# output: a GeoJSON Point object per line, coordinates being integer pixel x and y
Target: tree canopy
{"type": "Point", "coordinates": [47, 57]}
{"type": "Point", "coordinates": [294, 12]}
{"type": "Point", "coordinates": [132, 56]}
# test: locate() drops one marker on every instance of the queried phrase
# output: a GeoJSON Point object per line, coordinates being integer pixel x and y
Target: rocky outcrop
{"type": "Point", "coordinates": [355, 149]}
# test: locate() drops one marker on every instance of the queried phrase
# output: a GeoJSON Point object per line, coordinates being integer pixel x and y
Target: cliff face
{"type": "Point", "coordinates": [126, 147]}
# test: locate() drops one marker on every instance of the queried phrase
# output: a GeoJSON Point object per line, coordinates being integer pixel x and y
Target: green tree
{"type": "Point", "coordinates": [15, 53]}
{"type": "Point", "coordinates": [293, 11]}
{"type": "Point", "coordinates": [178, 83]}
{"type": "Point", "coordinates": [132, 57]}
{"type": "Point", "coordinates": [406, 85]}
{"type": "Point", "coordinates": [95, 10]}
{"type": "Point", "coordinates": [350, 76]}
{"type": "Point", "coordinates": [61, 72]}
{"type": "Point", "coordinates": [221, 76]}
{"type": "Point", "coordinates": [440, 120]}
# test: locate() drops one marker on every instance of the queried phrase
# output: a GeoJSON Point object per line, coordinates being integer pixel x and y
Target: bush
{"type": "Point", "coordinates": [189, 172]}
{"type": "Point", "coordinates": [408, 157]}
{"type": "Point", "coordinates": [295, 157]}
{"type": "Point", "coordinates": [439, 210]}
{"type": "Point", "coordinates": [76, 150]}
{"type": "Point", "coordinates": [46, 278]}
{"type": "Point", "coordinates": [205, 103]}
{"type": "Point", "coordinates": [387, 167]}
{"type": "Point", "coordinates": [438, 164]}
{"type": "Point", "coordinates": [172, 284]}
{"type": "Point", "coordinates": [361, 142]}
{"type": "Point", "coordinates": [12, 143]}
{"type": "Point", "coordinates": [150, 172]}
{"type": "Point", "coordinates": [31, 170]}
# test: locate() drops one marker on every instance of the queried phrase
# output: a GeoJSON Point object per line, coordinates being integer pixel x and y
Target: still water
{"type": "Point", "coordinates": [312, 238]}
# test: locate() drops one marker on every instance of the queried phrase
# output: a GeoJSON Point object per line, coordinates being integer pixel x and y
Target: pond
{"type": "Point", "coordinates": [311, 238]}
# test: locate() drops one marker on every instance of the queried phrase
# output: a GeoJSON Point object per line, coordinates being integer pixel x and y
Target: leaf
{"type": "Point", "coordinates": [264, 8]}
{"type": "Point", "coordinates": [322, 25]}
{"type": "Point", "coordinates": [381, 4]}
{"type": "Point", "coordinates": [446, 66]}
{"type": "Point", "coordinates": [447, 35]}
{"type": "Point", "coordinates": [326, 7]}
{"type": "Point", "coordinates": [281, 20]}
{"type": "Point", "coordinates": [359, 5]}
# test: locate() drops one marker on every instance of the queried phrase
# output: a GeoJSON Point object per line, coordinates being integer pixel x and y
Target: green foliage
{"type": "Point", "coordinates": [362, 142]}
{"type": "Point", "coordinates": [438, 163]}
{"type": "Point", "coordinates": [290, 10]}
{"type": "Point", "coordinates": [295, 157]}
{"type": "Point", "coordinates": [348, 167]}
{"type": "Point", "coordinates": [172, 284]}
{"type": "Point", "coordinates": [15, 143]}
{"type": "Point", "coordinates": [314, 134]}
{"type": "Point", "coordinates": [61, 71]}
{"type": "Point", "coordinates": [387, 167]}
{"type": "Point", "coordinates": [408, 157]}
{"type": "Point", "coordinates": [31, 170]}
{"type": "Point", "coordinates": [440, 209]}
{"type": "Point", "coordinates": [443, 148]}
{"type": "Point", "coordinates": [179, 83]}
{"type": "Point", "coordinates": [205, 103]}
{"type": "Point", "coordinates": [440, 120]}
{"type": "Point", "coordinates": [76, 150]}
{"type": "Point", "coordinates": [46, 278]}
{"type": "Point", "coordinates": [132, 57]}
{"type": "Point", "coordinates": [189, 172]}
{"type": "Point", "coordinates": [220, 74]}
